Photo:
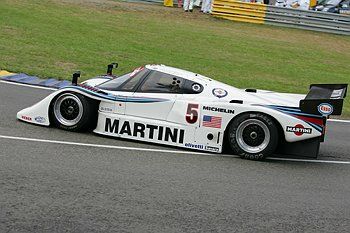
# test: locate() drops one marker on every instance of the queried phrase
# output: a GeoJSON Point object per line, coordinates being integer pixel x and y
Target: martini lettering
{"type": "Point", "coordinates": [299, 130]}
{"type": "Point", "coordinates": [145, 131]}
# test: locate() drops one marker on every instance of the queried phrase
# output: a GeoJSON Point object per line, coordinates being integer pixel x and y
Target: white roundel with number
{"type": "Point", "coordinates": [325, 109]}
{"type": "Point", "coordinates": [219, 92]}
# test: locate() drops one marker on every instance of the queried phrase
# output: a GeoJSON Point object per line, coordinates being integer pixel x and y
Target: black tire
{"type": "Point", "coordinates": [73, 112]}
{"type": "Point", "coordinates": [253, 136]}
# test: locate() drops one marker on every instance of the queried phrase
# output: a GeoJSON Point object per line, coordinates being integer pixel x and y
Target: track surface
{"type": "Point", "coordinates": [49, 187]}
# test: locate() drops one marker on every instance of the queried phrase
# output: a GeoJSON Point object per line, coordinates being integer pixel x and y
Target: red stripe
{"type": "Point", "coordinates": [317, 121]}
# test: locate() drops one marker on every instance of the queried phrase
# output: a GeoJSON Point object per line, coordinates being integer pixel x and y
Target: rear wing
{"type": "Point", "coordinates": [324, 99]}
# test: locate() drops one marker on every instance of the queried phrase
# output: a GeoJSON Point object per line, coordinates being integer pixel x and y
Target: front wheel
{"type": "Point", "coordinates": [253, 136]}
{"type": "Point", "coordinates": [73, 112]}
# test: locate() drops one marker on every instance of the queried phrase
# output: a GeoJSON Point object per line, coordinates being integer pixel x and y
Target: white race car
{"type": "Point", "coordinates": [166, 105]}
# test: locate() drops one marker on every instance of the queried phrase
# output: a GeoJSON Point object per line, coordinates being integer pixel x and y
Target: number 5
{"type": "Point", "coordinates": [192, 113]}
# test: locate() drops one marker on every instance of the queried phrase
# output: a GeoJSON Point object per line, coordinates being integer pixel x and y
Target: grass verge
{"type": "Point", "coordinates": [53, 38]}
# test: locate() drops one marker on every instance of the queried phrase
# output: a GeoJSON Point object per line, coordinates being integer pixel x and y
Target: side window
{"type": "Point", "coordinates": [158, 82]}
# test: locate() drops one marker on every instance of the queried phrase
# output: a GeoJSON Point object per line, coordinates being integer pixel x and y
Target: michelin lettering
{"type": "Point", "coordinates": [141, 130]}
{"type": "Point", "coordinates": [215, 109]}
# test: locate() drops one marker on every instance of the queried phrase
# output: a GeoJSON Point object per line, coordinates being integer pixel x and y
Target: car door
{"type": "Point", "coordinates": [121, 88]}
{"type": "Point", "coordinates": [155, 97]}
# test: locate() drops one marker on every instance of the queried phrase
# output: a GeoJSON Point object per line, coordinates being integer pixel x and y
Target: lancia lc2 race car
{"type": "Point", "coordinates": [166, 105]}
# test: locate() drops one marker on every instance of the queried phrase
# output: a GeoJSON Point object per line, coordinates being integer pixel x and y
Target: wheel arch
{"type": "Point", "coordinates": [277, 123]}
{"type": "Point", "coordinates": [71, 91]}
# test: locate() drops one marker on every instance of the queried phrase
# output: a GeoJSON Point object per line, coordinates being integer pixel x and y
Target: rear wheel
{"type": "Point", "coordinates": [74, 112]}
{"type": "Point", "coordinates": [253, 136]}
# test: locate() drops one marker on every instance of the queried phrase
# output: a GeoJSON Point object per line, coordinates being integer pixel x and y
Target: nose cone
{"type": "Point", "coordinates": [25, 115]}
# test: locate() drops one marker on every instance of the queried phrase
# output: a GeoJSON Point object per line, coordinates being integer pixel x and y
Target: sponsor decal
{"type": "Point", "coordinates": [212, 148]}
{"type": "Point", "coordinates": [299, 130]}
{"type": "Point", "coordinates": [26, 118]}
{"type": "Point", "coordinates": [106, 109]}
{"type": "Point", "coordinates": [39, 119]}
{"type": "Point", "coordinates": [212, 121]}
{"type": "Point", "coordinates": [215, 109]}
{"type": "Point", "coordinates": [219, 92]}
{"type": "Point", "coordinates": [195, 146]}
{"type": "Point", "coordinates": [325, 109]}
{"type": "Point", "coordinates": [140, 130]}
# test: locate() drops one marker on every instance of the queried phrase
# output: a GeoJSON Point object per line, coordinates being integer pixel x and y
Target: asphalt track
{"type": "Point", "coordinates": [100, 184]}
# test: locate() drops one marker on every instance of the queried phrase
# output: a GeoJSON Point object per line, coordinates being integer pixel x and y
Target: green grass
{"type": "Point", "coordinates": [53, 39]}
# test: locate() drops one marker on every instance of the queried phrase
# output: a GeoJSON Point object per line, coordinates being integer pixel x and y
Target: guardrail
{"type": "Point", "coordinates": [281, 16]}
{"type": "Point", "coordinates": [273, 15]}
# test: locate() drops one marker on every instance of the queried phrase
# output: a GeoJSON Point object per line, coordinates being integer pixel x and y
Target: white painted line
{"type": "Point", "coordinates": [309, 160]}
{"type": "Point", "coordinates": [337, 120]}
{"type": "Point", "coordinates": [27, 85]}
{"type": "Point", "coordinates": [161, 150]}
{"type": "Point", "coordinates": [103, 146]}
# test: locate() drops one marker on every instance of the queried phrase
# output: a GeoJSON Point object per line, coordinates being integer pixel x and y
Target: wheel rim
{"type": "Point", "coordinates": [68, 109]}
{"type": "Point", "coordinates": [253, 136]}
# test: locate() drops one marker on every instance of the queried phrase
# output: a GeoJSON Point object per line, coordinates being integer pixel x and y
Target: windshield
{"type": "Point", "coordinates": [114, 83]}
{"type": "Point", "coordinates": [126, 82]}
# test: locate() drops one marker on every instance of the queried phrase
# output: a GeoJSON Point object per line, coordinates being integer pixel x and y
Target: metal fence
{"type": "Point", "coordinates": [281, 16]}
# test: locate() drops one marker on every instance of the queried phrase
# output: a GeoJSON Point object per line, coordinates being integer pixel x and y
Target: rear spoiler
{"type": "Point", "coordinates": [324, 99]}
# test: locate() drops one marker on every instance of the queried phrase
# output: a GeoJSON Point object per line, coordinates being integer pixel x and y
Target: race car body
{"type": "Point", "coordinates": [170, 106]}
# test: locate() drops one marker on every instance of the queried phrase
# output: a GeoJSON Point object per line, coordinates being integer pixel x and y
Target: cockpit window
{"type": "Point", "coordinates": [151, 81]}
{"type": "Point", "coordinates": [158, 82]}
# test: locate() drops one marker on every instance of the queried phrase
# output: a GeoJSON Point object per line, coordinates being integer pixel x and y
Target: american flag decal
{"type": "Point", "coordinates": [211, 121]}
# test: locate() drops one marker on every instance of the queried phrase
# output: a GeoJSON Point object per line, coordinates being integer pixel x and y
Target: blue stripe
{"type": "Point", "coordinates": [319, 128]}
{"type": "Point", "coordinates": [301, 114]}
{"type": "Point", "coordinates": [296, 111]}
{"type": "Point", "coordinates": [119, 98]}
{"type": "Point", "coordinates": [287, 108]}
{"type": "Point", "coordinates": [293, 110]}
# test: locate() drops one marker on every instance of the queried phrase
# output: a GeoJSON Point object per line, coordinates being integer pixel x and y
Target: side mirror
{"type": "Point", "coordinates": [75, 78]}
{"type": "Point", "coordinates": [110, 67]}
